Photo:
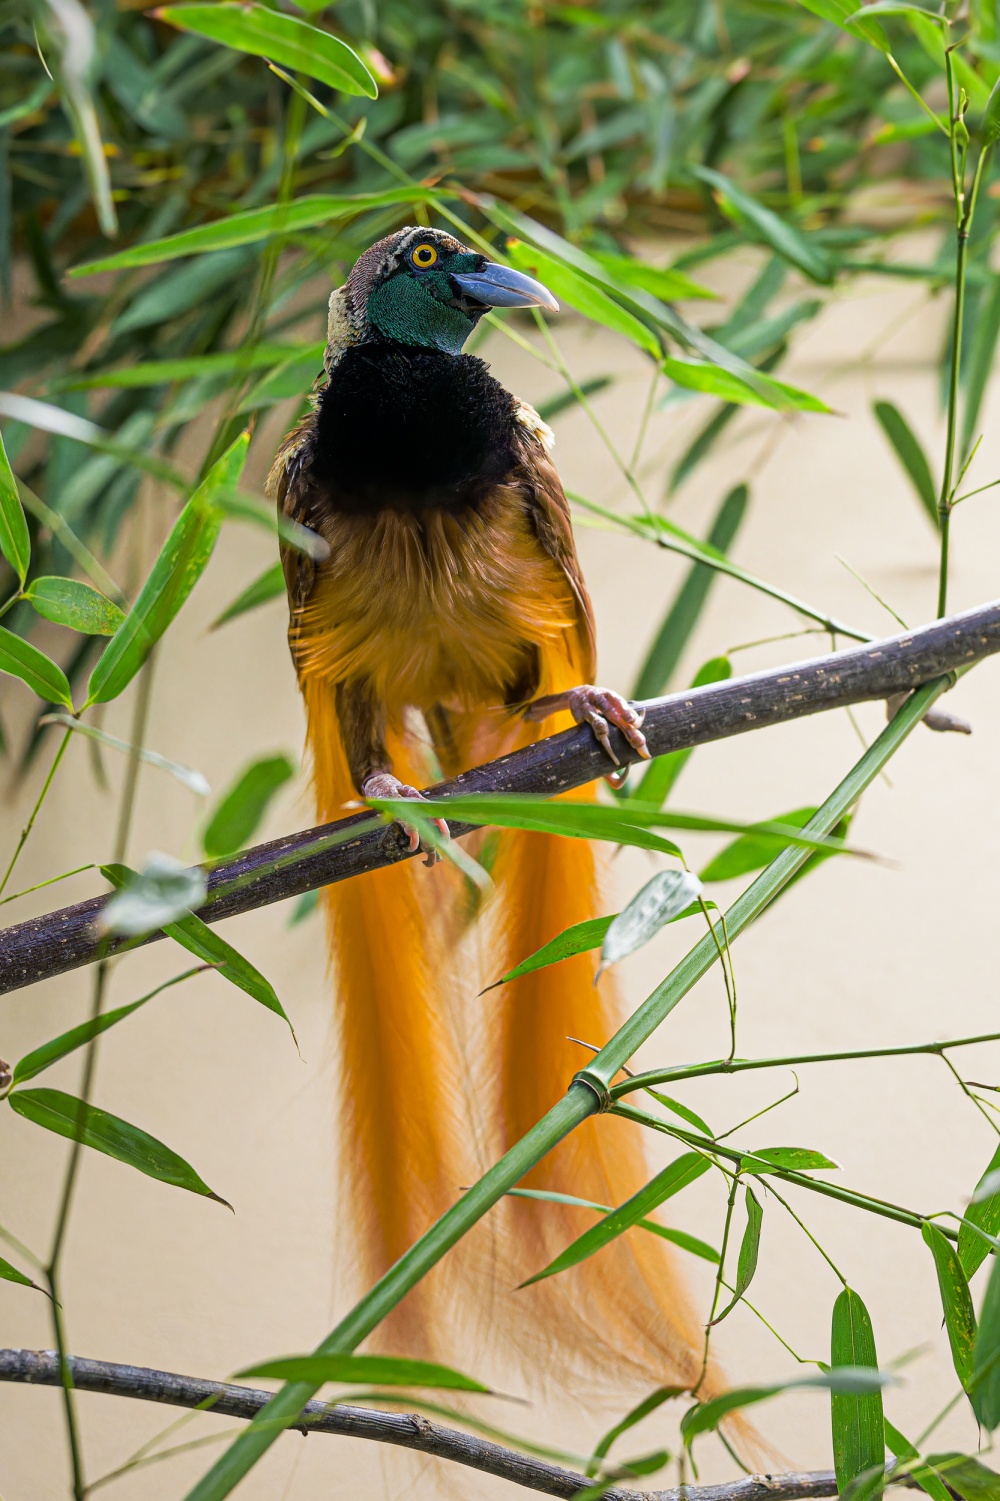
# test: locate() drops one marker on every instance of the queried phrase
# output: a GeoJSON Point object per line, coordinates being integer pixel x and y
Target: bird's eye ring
{"type": "Point", "coordinates": [423, 257]}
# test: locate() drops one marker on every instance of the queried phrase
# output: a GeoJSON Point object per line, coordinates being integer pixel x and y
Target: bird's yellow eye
{"type": "Point", "coordinates": [423, 256]}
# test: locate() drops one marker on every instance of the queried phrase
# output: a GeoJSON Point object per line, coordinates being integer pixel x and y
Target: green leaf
{"type": "Point", "coordinates": [689, 602]}
{"type": "Point", "coordinates": [665, 1232]}
{"type": "Point", "coordinates": [280, 38]}
{"type": "Point", "coordinates": [910, 454]}
{"type": "Point", "coordinates": [68, 37]}
{"type": "Point", "coordinates": [70, 1117]}
{"type": "Point", "coordinates": [76, 605]}
{"type": "Point", "coordinates": [956, 1301]}
{"type": "Point", "coordinates": [849, 1380]}
{"type": "Point", "coordinates": [749, 1251]}
{"type": "Point", "coordinates": [568, 286]}
{"type": "Point", "coordinates": [164, 372]}
{"type": "Point", "coordinates": [662, 282]}
{"type": "Point", "coordinates": [984, 1212]}
{"type": "Point", "coordinates": [979, 364]}
{"type": "Point", "coordinates": [791, 1159]}
{"type": "Point", "coordinates": [800, 250]}
{"type": "Point", "coordinates": [919, 1470]}
{"type": "Point", "coordinates": [11, 1274]}
{"type": "Point", "coordinates": [381, 1370]}
{"type": "Point", "coordinates": [838, 12]}
{"type": "Point", "coordinates": [989, 125]}
{"type": "Point", "coordinates": [202, 941]}
{"type": "Point", "coordinates": [752, 851]}
{"type": "Point", "coordinates": [269, 585]}
{"type": "Point", "coordinates": [43, 676]}
{"type": "Point", "coordinates": [967, 1476]}
{"type": "Point", "coordinates": [984, 1384]}
{"type": "Point", "coordinates": [15, 544]}
{"type": "Point", "coordinates": [713, 380]}
{"type": "Point", "coordinates": [681, 1172]}
{"type": "Point", "coordinates": [186, 775]}
{"type": "Point", "coordinates": [145, 900]}
{"type": "Point", "coordinates": [665, 896]}
{"type": "Point", "coordinates": [577, 939]}
{"type": "Point", "coordinates": [893, 8]}
{"type": "Point", "coordinates": [50, 1052]}
{"type": "Point", "coordinates": [251, 225]}
{"type": "Point", "coordinates": [658, 783]}
{"type": "Point", "coordinates": [239, 812]}
{"type": "Point", "coordinates": [858, 1428]}
{"type": "Point", "coordinates": [174, 574]}
{"type": "Point", "coordinates": [642, 1410]}
{"type": "Point", "coordinates": [675, 1106]}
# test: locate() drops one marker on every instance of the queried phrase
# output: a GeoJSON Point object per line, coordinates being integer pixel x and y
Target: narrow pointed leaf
{"type": "Point", "coordinates": [665, 896]}
{"type": "Point", "coordinates": [240, 810]}
{"type": "Point", "coordinates": [979, 365]}
{"type": "Point", "coordinates": [956, 1300]}
{"type": "Point", "coordinates": [188, 776]}
{"type": "Point", "coordinates": [202, 941]}
{"type": "Point", "coordinates": [269, 585]}
{"type": "Point", "coordinates": [752, 851]}
{"type": "Point", "coordinates": [665, 1232]}
{"type": "Point", "coordinates": [849, 1380]}
{"type": "Point", "coordinates": [749, 1251]}
{"type": "Point", "coordinates": [681, 1172]}
{"type": "Point", "coordinates": [10, 1273]}
{"type": "Point", "coordinates": [966, 1475]}
{"type": "Point", "coordinates": [984, 1383]}
{"type": "Point", "coordinates": [568, 286]}
{"type": "Point", "coordinates": [713, 380]}
{"type": "Point", "coordinates": [15, 544]}
{"type": "Point", "coordinates": [281, 38]}
{"type": "Point", "coordinates": [384, 1370]}
{"type": "Point", "coordinates": [792, 1159]}
{"type": "Point", "coordinates": [919, 1470]}
{"type": "Point", "coordinates": [21, 660]}
{"type": "Point", "coordinates": [181, 563]}
{"type": "Point", "coordinates": [74, 604]}
{"type": "Point", "coordinates": [910, 454]}
{"type": "Point", "coordinates": [858, 1427]}
{"type": "Point", "coordinates": [984, 1212]}
{"type": "Point", "coordinates": [49, 1053]}
{"type": "Point", "coordinates": [70, 1117]}
{"type": "Point", "coordinates": [662, 281]}
{"type": "Point", "coordinates": [800, 250]}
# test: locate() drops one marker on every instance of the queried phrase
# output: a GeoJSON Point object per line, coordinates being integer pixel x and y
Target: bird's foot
{"type": "Point", "coordinates": [600, 708]}
{"type": "Point", "coordinates": [384, 784]}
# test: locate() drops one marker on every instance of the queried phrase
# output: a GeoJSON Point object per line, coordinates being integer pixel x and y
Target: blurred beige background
{"type": "Point", "coordinates": [861, 954]}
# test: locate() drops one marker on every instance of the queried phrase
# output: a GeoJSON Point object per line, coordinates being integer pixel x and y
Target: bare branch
{"type": "Point", "coordinates": [60, 941]}
{"type": "Point", "coordinates": [406, 1430]}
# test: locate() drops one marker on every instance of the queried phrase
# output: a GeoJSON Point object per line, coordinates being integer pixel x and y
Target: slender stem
{"type": "Point", "coordinates": [719, 1273]}
{"type": "Point", "coordinates": [968, 1093]}
{"type": "Point", "coordinates": [587, 1093]}
{"type": "Point", "coordinates": [741, 1065]}
{"type": "Point", "coordinates": [808, 1234]}
{"type": "Point", "coordinates": [35, 810]}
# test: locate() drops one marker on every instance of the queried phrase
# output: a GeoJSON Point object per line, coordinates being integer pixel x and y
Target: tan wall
{"type": "Point", "coordinates": [861, 954]}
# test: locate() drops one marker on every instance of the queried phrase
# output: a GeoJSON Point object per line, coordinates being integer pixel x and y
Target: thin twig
{"type": "Point", "coordinates": [404, 1430]}
{"type": "Point", "coordinates": [59, 941]}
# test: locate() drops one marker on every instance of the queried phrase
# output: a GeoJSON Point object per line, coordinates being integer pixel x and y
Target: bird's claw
{"type": "Point", "coordinates": [384, 784]}
{"type": "Point", "coordinates": [600, 708]}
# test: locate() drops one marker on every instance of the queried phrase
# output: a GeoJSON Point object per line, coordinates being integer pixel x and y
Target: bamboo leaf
{"type": "Point", "coordinates": [281, 38]}
{"type": "Point", "coordinates": [966, 1476]}
{"type": "Point", "coordinates": [174, 574]}
{"type": "Point", "coordinates": [956, 1301]}
{"type": "Point", "coordinates": [642, 1410]}
{"type": "Point", "coordinates": [71, 53]}
{"type": "Point", "coordinates": [749, 1251]}
{"type": "Point", "coordinates": [251, 225]}
{"type": "Point", "coordinates": [67, 1116]}
{"type": "Point", "coordinates": [680, 1173]}
{"type": "Point", "coordinates": [979, 364]}
{"type": "Point", "coordinates": [856, 1416]}
{"type": "Point", "coordinates": [240, 810]}
{"type": "Point", "coordinates": [713, 380]}
{"type": "Point", "coordinates": [910, 454]}
{"type": "Point", "coordinates": [74, 604]}
{"type": "Point", "coordinates": [665, 896]}
{"type": "Point", "coordinates": [186, 775]}
{"type": "Point", "coordinates": [838, 12]}
{"type": "Point", "coordinates": [191, 367]}
{"type": "Point", "coordinates": [792, 1159]}
{"type": "Point", "coordinates": [578, 939]}
{"type": "Point", "coordinates": [684, 613]}
{"type": "Point", "coordinates": [665, 1232]}
{"type": "Point", "coordinates": [752, 851]}
{"type": "Point", "coordinates": [383, 1370]}
{"type": "Point", "coordinates": [918, 1470]}
{"type": "Point", "coordinates": [800, 250]}
{"type": "Point", "coordinates": [847, 1381]}
{"type": "Point", "coordinates": [663, 282]}
{"type": "Point", "coordinates": [984, 1212]}
{"type": "Point", "coordinates": [21, 660]}
{"type": "Point", "coordinates": [568, 286]}
{"type": "Point", "coordinates": [984, 1383]}
{"type": "Point", "coordinates": [44, 1057]}
{"type": "Point", "coordinates": [15, 543]}
{"type": "Point", "coordinates": [989, 125]}
{"type": "Point", "coordinates": [202, 941]}
{"type": "Point", "coordinates": [11, 1274]}
{"type": "Point", "coordinates": [269, 585]}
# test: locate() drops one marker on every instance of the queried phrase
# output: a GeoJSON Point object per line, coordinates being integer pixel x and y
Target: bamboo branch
{"type": "Point", "coordinates": [406, 1430]}
{"type": "Point", "coordinates": [59, 941]}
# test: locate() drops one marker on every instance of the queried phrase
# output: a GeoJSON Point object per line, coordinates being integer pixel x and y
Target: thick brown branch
{"type": "Point", "coordinates": [406, 1430]}
{"type": "Point", "coordinates": [59, 941]}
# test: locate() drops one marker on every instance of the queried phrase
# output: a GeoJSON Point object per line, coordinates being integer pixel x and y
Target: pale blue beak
{"type": "Point", "coordinates": [499, 286]}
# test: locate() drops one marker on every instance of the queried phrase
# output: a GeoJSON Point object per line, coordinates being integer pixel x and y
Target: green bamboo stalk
{"type": "Point", "coordinates": [588, 1092]}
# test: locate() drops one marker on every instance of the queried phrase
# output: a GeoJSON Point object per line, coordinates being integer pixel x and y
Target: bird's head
{"type": "Point", "coordinates": [424, 288]}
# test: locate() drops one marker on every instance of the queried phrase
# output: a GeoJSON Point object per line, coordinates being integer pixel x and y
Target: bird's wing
{"type": "Point", "coordinates": [550, 513]}
{"type": "Point", "coordinates": [286, 488]}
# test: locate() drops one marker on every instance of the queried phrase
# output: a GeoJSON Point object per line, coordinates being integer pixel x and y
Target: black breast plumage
{"type": "Point", "coordinates": [410, 429]}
